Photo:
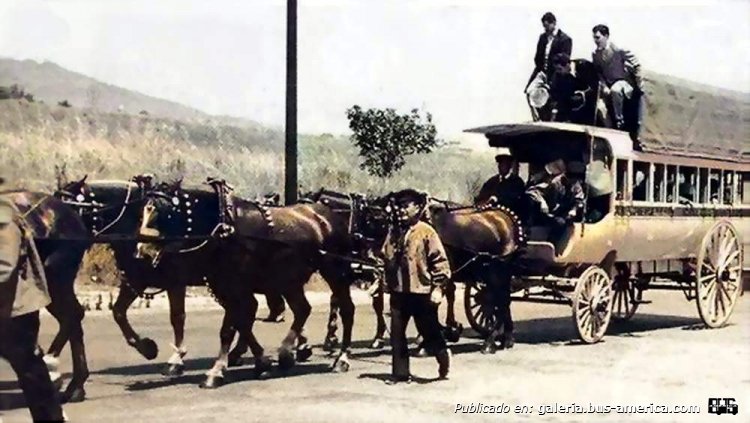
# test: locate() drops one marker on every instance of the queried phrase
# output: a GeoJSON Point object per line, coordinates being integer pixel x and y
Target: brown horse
{"type": "Point", "coordinates": [254, 249]}
{"type": "Point", "coordinates": [62, 239]}
{"type": "Point", "coordinates": [479, 242]}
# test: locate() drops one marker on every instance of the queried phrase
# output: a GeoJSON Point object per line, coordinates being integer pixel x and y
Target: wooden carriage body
{"type": "Point", "coordinates": [667, 207]}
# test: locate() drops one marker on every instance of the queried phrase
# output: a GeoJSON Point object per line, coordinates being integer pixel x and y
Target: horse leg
{"type": "Point", "coordinates": [378, 304]}
{"type": "Point", "coordinates": [505, 313]}
{"type": "Point", "coordinates": [243, 322]}
{"type": "Point", "coordinates": [453, 329]}
{"type": "Point", "coordinates": [340, 286]}
{"type": "Point", "coordinates": [61, 268]}
{"type": "Point", "coordinates": [494, 285]}
{"type": "Point", "coordinates": [331, 340]}
{"type": "Point", "coordinates": [175, 365]}
{"type": "Point", "coordinates": [276, 307]}
{"type": "Point", "coordinates": [297, 301]}
{"type": "Point", "coordinates": [215, 376]}
{"type": "Point", "coordinates": [125, 298]}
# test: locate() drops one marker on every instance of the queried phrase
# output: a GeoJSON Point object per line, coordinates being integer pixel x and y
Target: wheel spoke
{"type": "Point", "coordinates": [730, 258]}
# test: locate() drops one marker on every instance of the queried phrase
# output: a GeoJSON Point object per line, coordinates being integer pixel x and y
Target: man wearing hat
{"type": "Point", "coordinates": [23, 292]}
{"type": "Point", "coordinates": [505, 188]}
{"type": "Point", "coordinates": [416, 270]}
{"type": "Point", "coordinates": [560, 196]}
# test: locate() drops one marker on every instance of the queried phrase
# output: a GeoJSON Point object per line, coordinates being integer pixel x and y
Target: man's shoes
{"type": "Point", "coordinates": [398, 379]}
{"type": "Point", "coordinates": [444, 363]}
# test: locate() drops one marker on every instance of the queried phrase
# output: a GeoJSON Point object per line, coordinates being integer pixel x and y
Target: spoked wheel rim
{"type": "Point", "coordinates": [626, 298]}
{"type": "Point", "coordinates": [592, 304]}
{"type": "Point", "coordinates": [479, 306]}
{"type": "Point", "coordinates": [718, 274]}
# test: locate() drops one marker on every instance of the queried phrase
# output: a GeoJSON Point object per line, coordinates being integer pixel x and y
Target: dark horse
{"type": "Point", "coordinates": [248, 248]}
{"type": "Point", "coordinates": [111, 211]}
{"type": "Point", "coordinates": [62, 240]}
{"type": "Point", "coordinates": [479, 242]}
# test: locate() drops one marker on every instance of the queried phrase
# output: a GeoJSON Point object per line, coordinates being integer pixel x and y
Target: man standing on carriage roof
{"type": "Point", "coordinates": [416, 270]}
{"type": "Point", "coordinates": [23, 292]}
{"type": "Point", "coordinates": [568, 91]}
{"type": "Point", "coordinates": [619, 72]}
{"type": "Point", "coordinates": [505, 188]}
{"type": "Point", "coordinates": [551, 42]}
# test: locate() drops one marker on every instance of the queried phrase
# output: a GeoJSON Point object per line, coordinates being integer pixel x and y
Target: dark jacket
{"type": "Point", "coordinates": [562, 43]}
{"type": "Point", "coordinates": [614, 64]}
{"type": "Point", "coordinates": [508, 190]}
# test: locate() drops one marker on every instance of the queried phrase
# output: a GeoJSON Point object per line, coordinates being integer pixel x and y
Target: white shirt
{"type": "Point", "coordinates": [547, 48]}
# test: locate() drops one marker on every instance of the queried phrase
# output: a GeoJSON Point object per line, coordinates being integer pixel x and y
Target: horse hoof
{"type": "Point", "coordinates": [331, 343]}
{"type": "Point", "coordinates": [212, 382]}
{"type": "Point", "coordinates": [57, 380]}
{"type": "Point", "coordinates": [148, 348]}
{"type": "Point", "coordinates": [489, 348]}
{"type": "Point", "coordinates": [173, 370]}
{"type": "Point", "coordinates": [508, 342]}
{"type": "Point", "coordinates": [286, 360]}
{"type": "Point", "coordinates": [453, 332]}
{"type": "Point", "coordinates": [275, 318]}
{"type": "Point", "coordinates": [341, 367]}
{"type": "Point", "coordinates": [377, 343]}
{"type": "Point", "coordinates": [73, 395]}
{"type": "Point", "coordinates": [304, 352]}
{"type": "Point", "coordinates": [235, 361]}
{"type": "Point", "coordinates": [421, 353]}
{"type": "Point", "coordinates": [263, 367]}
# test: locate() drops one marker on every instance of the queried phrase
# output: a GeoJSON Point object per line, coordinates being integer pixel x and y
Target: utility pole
{"type": "Point", "coordinates": [290, 158]}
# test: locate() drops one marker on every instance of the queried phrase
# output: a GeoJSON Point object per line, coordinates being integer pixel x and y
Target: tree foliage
{"type": "Point", "coordinates": [385, 138]}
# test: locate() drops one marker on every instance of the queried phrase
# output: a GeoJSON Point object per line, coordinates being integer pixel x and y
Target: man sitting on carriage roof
{"type": "Point", "coordinates": [504, 188]}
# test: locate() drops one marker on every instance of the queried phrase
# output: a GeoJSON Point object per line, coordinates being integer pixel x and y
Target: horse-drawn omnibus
{"type": "Point", "coordinates": [671, 213]}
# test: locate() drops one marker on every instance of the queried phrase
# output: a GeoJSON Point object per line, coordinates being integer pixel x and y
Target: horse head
{"type": "Point", "coordinates": [173, 212]}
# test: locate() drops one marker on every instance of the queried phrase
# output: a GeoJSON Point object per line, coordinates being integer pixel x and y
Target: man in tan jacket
{"type": "Point", "coordinates": [23, 292]}
{"type": "Point", "coordinates": [417, 268]}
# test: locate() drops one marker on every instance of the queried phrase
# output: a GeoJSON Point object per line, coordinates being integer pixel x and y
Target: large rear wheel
{"type": "Point", "coordinates": [592, 304]}
{"type": "Point", "coordinates": [718, 274]}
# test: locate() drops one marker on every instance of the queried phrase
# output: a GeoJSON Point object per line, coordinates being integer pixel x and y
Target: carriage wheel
{"type": "Point", "coordinates": [592, 304]}
{"type": "Point", "coordinates": [626, 298]}
{"type": "Point", "coordinates": [479, 307]}
{"type": "Point", "coordinates": [718, 274]}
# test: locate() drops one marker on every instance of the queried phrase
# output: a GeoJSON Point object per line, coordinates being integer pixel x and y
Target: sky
{"type": "Point", "coordinates": [464, 61]}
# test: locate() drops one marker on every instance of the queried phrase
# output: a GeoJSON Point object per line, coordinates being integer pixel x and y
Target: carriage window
{"type": "Point", "coordinates": [743, 184]}
{"type": "Point", "coordinates": [703, 185]}
{"type": "Point", "coordinates": [641, 181]}
{"type": "Point", "coordinates": [687, 184]}
{"type": "Point", "coordinates": [728, 187]}
{"type": "Point", "coordinates": [714, 182]}
{"type": "Point", "coordinates": [671, 183]}
{"type": "Point", "coordinates": [622, 179]}
{"type": "Point", "coordinates": [660, 183]}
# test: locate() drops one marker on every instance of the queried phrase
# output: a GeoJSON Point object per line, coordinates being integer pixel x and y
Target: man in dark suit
{"type": "Point", "coordinates": [505, 188]}
{"type": "Point", "coordinates": [551, 42]}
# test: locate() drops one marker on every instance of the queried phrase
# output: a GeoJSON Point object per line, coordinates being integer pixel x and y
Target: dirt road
{"type": "Point", "coordinates": [659, 358]}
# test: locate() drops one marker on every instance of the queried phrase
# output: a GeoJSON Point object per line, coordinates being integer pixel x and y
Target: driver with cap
{"type": "Point", "coordinates": [505, 188]}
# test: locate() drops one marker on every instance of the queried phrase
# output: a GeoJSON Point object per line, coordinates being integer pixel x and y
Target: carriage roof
{"type": "Point", "coordinates": [679, 118]}
{"type": "Point", "coordinates": [621, 145]}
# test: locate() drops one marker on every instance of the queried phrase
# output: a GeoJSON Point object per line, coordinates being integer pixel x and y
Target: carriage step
{"type": "Point", "coordinates": [641, 302]}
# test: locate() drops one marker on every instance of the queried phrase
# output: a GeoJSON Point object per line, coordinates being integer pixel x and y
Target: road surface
{"type": "Point", "coordinates": [661, 357]}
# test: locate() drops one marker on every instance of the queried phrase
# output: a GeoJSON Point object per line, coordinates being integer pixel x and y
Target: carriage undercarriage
{"type": "Point", "coordinates": [712, 277]}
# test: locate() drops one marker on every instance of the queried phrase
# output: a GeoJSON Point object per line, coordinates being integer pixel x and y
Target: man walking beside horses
{"type": "Point", "coordinates": [417, 269]}
{"type": "Point", "coordinates": [23, 292]}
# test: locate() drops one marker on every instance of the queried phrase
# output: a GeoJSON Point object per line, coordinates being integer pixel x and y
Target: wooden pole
{"type": "Point", "coordinates": [290, 158]}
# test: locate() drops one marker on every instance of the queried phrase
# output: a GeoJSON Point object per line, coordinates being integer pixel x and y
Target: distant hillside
{"type": "Point", "coordinates": [52, 83]}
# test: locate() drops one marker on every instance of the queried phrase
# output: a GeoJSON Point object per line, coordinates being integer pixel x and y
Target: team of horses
{"type": "Point", "coordinates": [167, 236]}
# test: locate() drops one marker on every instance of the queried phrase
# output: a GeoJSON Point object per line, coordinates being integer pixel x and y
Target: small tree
{"type": "Point", "coordinates": [385, 138]}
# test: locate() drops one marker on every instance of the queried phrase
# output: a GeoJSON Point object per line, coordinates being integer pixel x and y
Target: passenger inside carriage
{"type": "Point", "coordinates": [557, 197]}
